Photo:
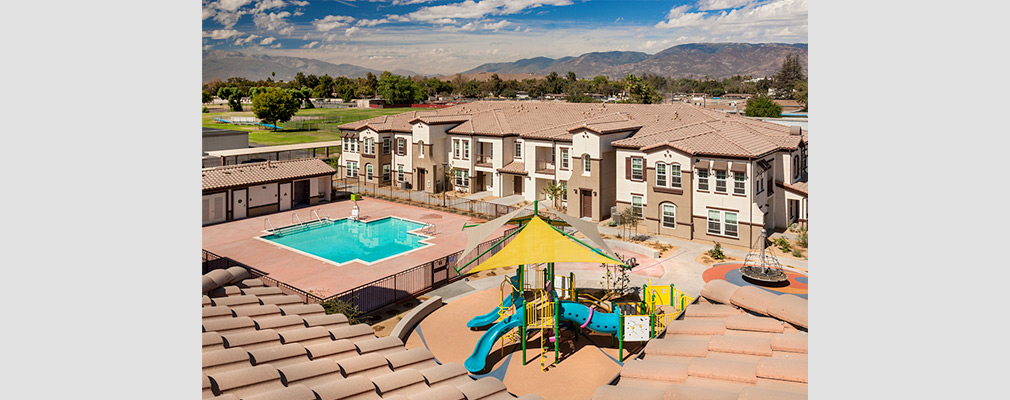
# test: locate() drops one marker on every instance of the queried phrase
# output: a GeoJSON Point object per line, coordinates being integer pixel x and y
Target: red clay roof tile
{"type": "Point", "coordinates": [722, 369]}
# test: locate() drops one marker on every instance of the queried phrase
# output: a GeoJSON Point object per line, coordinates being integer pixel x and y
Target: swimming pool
{"type": "Point", "coordinates": [347, 240]}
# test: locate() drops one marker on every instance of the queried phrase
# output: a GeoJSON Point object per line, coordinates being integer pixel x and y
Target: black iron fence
{"type": "Point", "coordinates": [385, 291]}
{"type": "Point", "coordinates": [435, 201]}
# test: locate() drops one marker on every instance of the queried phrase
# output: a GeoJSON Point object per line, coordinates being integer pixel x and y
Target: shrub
{"type": "Point", "coordinates": [797, 253]}
{"type": "Point", "coordinates": [802, 241]}
{"type": "Point", "coordinates": [339, 306]}
{"type": "Point", "coordinates": [205, 110]}
{"type": "Point", "coordinates": [716, 252]}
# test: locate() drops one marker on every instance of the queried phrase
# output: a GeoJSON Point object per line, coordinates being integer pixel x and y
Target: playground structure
{"type": "Point", "coordinates": [539, 302]}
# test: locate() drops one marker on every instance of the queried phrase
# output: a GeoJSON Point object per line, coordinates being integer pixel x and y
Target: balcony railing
{"type": "Point", "coordinates": [484, 160]}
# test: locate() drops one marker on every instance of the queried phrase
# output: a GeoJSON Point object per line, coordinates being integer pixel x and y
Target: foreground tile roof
{"type": "Point", "coordinates": [692, 129]}
{"type": "Point", "coordinates": [259, 343]}
{"type": "Point", "coordinates": [734, 343]}
{"type": "Point", "coordinates": [256, 173]}
{"type": "Point", "coordinates": [514, 167]}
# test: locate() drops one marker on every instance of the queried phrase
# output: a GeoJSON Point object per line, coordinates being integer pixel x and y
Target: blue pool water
{"type": "Point", "coordinates": [348, 240]}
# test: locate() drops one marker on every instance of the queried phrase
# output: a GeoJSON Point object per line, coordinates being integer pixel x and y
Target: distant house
{"type": "Point", "coordinates": [224, 139]}
{"type": "Point", "coordinates": [522, 95]}
{"type": "Point", "coordinates": [370, 103]}
{"type": "Point", "coordinates": [789, 106]}
{"type": "Point", "coordinates": [249, 190]}
{"type": "Point", "coordinates": [555, 96]}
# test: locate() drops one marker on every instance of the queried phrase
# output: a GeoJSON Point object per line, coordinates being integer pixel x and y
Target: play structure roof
{"type": "Point", "coordinates": [538, 243]}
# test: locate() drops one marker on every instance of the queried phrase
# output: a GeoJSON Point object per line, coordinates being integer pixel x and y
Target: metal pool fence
{"type": "Point", "coordinates": [439, 202]}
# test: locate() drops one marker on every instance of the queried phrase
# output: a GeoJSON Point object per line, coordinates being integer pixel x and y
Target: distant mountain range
{"type": "Point", "coordinates": [221, 64]}
{"type": "Point", "coordinates": [715, 60]}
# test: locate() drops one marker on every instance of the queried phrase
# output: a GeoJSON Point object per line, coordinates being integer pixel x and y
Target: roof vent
{"type": "Point", "coordinates": [795, 130]}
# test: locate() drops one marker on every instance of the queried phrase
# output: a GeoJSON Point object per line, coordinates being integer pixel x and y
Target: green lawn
{"type": "Point", "coordinates": [265, 136]}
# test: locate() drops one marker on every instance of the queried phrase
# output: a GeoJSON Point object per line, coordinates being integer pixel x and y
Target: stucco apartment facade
{"type": "Point", "coordinates": [687, 171]}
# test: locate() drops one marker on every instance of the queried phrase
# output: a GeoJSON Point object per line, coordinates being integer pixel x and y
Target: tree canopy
{"type": "Point", "coordinates": [207, 97]}
{"type": "Point", "coordinates": [396, 89]}
{"type": "Point", "coordinates": [274, 105]}
{"type": "Point", "coordinates": [641, 91]}
{"type": "Point", "coordinates": [762, 106]}
{"type": "Point", "coordinates": [233, 95]}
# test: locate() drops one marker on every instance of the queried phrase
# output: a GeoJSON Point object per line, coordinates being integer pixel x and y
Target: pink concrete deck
{"type": "Point", "coordinates": [237, 240]}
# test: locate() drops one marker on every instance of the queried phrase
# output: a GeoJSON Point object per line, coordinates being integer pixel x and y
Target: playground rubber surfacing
{"type": "Point", "coordinates": [592, 363]}
{"type": "Point", "coordinates": [730, 272]}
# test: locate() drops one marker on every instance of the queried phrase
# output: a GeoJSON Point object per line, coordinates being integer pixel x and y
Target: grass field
{"type": "Point", "coordinates": [265, 136]}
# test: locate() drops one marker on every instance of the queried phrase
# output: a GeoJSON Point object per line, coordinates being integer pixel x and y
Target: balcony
{"type": "Point", "coordinates": [544, 167]}
{"type": "Point", "coordinates": [484, 160]}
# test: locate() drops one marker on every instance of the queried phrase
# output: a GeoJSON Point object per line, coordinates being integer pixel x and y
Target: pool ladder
{"type": "Point", "coordinates": [266, 222]}
{"type": "Point", "coordinates": [320, 214]}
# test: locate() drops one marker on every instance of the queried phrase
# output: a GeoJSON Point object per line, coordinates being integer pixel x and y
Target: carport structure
{"type": "Point", "coordinates": [272, 153]}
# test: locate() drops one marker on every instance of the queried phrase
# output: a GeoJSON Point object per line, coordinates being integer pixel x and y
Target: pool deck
{"type": "Point", "coordinates": [238, 240]}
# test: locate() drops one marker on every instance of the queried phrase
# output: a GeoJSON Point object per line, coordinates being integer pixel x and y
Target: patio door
{"type": "Point", "coordinates": [214, 208]}
{"type": "Point", "coordinates": [587, 202]}
{"type": "Point", "coordinates": [517, 185]}
{"type": "Point", "coordinates": [238, 203]}
{"type": "Point", "coordinates": [301, 195]}
{"type": "Point", "coordinates": [285, 195]}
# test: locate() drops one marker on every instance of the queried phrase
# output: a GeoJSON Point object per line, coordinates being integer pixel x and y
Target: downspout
{"type": "Point", "coordinates": [750, 199]}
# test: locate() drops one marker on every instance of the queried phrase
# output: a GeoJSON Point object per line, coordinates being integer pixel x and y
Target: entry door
{"type": "Point", "coordinates": [479, 187]}
{"type": "Point", "coordinates": [238, 203]}
{"type": "Point", "coordinates": [420, 179]}
{"type": "Point", "coordinates": [587, 202]}
{"type": "Point", "coordinates": [214, 208]}
{"type": "Point", "coordinates": [517, 185]}
{"type": "Point", "coordinates": [285, 189]}
{"type": "Point", "coordinates": [301, 196]}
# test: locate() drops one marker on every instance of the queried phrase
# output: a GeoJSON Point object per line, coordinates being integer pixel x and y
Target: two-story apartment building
{"type": "Point", "coordinates": [687, 171]}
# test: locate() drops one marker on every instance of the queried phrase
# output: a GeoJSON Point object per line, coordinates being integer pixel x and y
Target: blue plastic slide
{"type": "Point", "coordinates": [578, 313]}
{"type": "Point", "coordinates": [491, 317]}
{"type": "Point", "coordinates": [271, 126]}
{"type": "Point", "coordinates": [223, 120]}
{"type": "Point", "coordinates": [475, 363]}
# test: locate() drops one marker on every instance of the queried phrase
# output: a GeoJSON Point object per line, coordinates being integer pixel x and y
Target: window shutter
{"type": "Point", "coordinates": [627, 168]}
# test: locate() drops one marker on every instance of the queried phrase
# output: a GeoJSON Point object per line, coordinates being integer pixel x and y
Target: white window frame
{"type": "Point", "coordinates": [462, 178]}
{"type": "Point", "coordinates": [466, 149]}
{"type": "Point", "coordinates": [640, 207]}
{"type": "Point", "coordinates": [399, 173]}
{"type": "Point", "coordinates": [718, 181]}
{"type": "Point", "coordinates": [401, 146]}
{"type": "Point", "coordinates": [352, 169]}
{"type": "Point", "coordinates": [703, 181]}
{"type": "Point", "coordinates": [641, 168]}
{"type": "Point", "coordinates": [661, 174]}
{"type": "Point", "coordinates": [368, 172]}
{"type": "Point", "coordinates": [739, 185]}
{"type": "Point", "coordinates": [564, 158]}
{"type": "Point", "coordinates": [455, 148]}
{"type": "Point", "coordinates": [726, 224]}
{"type": "Point", "coordinates": [587, 165]}
{"type": "Point", "coordinates": [519, 150]}
{"type": "Point", "coordinates": [672, 222]}
{"type": "Point", "coordinates": [386, 172]}
{"type": "Point", "coordinates": [717, 221]}
{"type": "Point", "coordinates": [564, 191]}
{"type": "Point", "coordinates": [675, 175]}
{"type": "Point", "coordinates": [386, 145]}
{"type": "Point", "coordinates": [721, 221]}
{"type": "Point", "coordinates": [759, 182]}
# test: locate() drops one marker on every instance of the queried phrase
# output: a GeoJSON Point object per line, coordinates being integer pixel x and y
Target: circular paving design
{"type": "Point", "coordinates": [730, 272]}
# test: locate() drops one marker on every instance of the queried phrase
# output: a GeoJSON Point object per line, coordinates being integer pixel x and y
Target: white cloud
{"type": "Point", "coordinates": [231, 5]}
{"type": "Point", "coordinates": [300, 3]}
{"type": "Point", "coordinates": [221, 33]}
{"type": "Point", "coordinates": [470, 9]}
{"type": "Point", "coordinates": [782, 19]}
{"type": "Point", "coordinates": [267, 41]}
{"type": "Point", "coordinates": [276, 46]}
{"type": "Point", "coordinates": [264, 5]}
{"type": "Point", "coordinates": [310, 45]}
{"type": "Point", "coordinates": [496, 26]}
{"type": "Point", "coordinates": [708, 5]}
{"type": "Point", "coordinates": [469, 27]}
{"type": "Point", "coordinates": [331, 22]}
{"type": "Point", "coordinates": [408, 2]}
{"type": "Point", "coordinates": [249, 39]}
{"type": "Point", "coordinates": [352, 30]}
{"type": "Point", "coordinates": [274, 22]}
{"type": "Point", "coordinates": [371, 22]}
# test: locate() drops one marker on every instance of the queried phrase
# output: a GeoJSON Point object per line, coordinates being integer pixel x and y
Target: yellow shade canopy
{"type": "Point", "coordinates": [539, 243]}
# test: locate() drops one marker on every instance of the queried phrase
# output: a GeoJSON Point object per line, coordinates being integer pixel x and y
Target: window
{"type": "Point", "coordinates": [702, 179]}
{"type": "Point", "coordinates": [796, 166]}
{"type": "Point", "coordinates": [370, 146]}
{"type": "Point", "coordinates": [455, 148]}
{"type": "Point", "coordinates": [675, 175]}
{"type": "Point", "coordinates": [420, 149]}
{"type": "Point", "coordinates": [636, 169]}
{"type": "Point", "coordinates": [385, 146]}
{"type": "Point", "coordinates": [660, 174]}
{"type": "Point", "coordinates": [368, 171]}
{"type": "Point", "coordinates": [352, 169]}
{"type": "Point", "coordinates": [669, 216]}
{"type": "Point", "coordinates": [519, 150]}
{"type": "Point", "coordinates": [714, 225]}
{"type": "Point", "coordinates": [720, 181]}
{"type": "Point", "coordinates": [399, 173]}
{"type": "Point", "coordinates": [636, 204]}
{"type": "Point", "coordinates": [466, 149]}
{"type": "Point", "coordinates": [738, 183]}
{"type": "Point", "coordinates": [730, 228]}
{"type": "Point", "coordinates": [586, 165]}
{"type": "Point", "coordinates": [564, 190]}
{"type": "Point", "coordinates": [346, 145]}
{"type": "Point", "coordinates": [385, 172]}
{"type": "Point", "coordinates": [564, 158]}
{"type": "Point", "coordinates": [401, 146]}
{"type": "Point", "coordinates": [723, 223]}
{"type": "Point", "coordinates": [771, 185]}
{"type": "Point", "coordinates": [462, 178]}
{"type": "Point", "coordinates": [759, 184]}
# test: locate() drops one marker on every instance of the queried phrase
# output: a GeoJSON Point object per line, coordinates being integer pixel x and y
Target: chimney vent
{"type": "Point", "coordinates": [795, 130]}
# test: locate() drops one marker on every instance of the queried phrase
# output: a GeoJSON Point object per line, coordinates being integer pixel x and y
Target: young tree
{"type": "Point", "coordinates": [275, 105]}
{"type": "Point", "coordinates": [233, 95]}
{"type": "Point", "coordinates": [800, 94]}
{"type": "Point", "coordinates": [762, 106]}
{"type": "Point", "coordinates": [553, 191]}
{"type": "Point", "coordinates": [640, 91]}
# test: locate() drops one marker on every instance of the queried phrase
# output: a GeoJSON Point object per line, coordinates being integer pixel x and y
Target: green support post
{"type": "Point", "coordinates": [652, 325]}
{"type": "Point", "coordinates": [672, 291]}
{"type": "Point", "coordinates": [620, 336]}
{"type": "Point", "coordinates": [645, 291]}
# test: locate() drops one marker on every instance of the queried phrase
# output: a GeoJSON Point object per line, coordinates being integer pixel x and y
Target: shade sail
{"type": "Point", "coordinates": [477, 234]}
{"type": "Point", "coordinates": [540, 243]}
{"type": "Point", "coordinates": [587, 228]}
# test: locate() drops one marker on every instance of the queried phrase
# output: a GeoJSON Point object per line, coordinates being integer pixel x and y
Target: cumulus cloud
{"type": "Point", "coordinates": [274, 22]}
{"type": "Point", "coordinates": [494, 27]}
{"type": "Point", "coordinates": [470, 9]}
{"type": "Point", "coordinates": [708, 5]}
{"type": "Point", "coordinates": [276, 46]}
{"type": "Point", "coordinates": [752, 20]}
{"type": "Point", "coordinates": [352, 30]}
{"type": "Point", "coordinates": [267, 41]}
{"type": "Point", "coordinates": [246, 40]}
{"type": "Point", "coordinates": [221, 33]}
{"type": "Point", "coordinates": [331, 22]}
{"type": "Point", "coordinates": [300, 3]}
{"type": "Point", "coordinates": [311, 45]}
{"type": "Point", "coordinates": [371, 22]}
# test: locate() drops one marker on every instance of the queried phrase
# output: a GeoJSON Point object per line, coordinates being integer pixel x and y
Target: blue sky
{"type": "Point", "coordinates": [447, 36]}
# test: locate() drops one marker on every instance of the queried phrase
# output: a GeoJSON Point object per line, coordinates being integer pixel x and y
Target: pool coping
{"type": "Point", "coordinates": [425, 240]}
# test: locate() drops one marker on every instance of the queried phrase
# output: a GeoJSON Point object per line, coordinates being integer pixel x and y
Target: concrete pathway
{"type": "Point", "coordinates": [478, 195]}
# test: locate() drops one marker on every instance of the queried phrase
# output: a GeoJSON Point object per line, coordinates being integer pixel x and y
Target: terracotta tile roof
{"type": "Point", "coordinates": [514, 167]}
{"type": "Point", "coordinates": [722, 348]}
{"type": "Point", "coordinates": [692, 129]}
{"type": "Point", "coordinates": [799, 187]}
{"type": "Point", "coordinates": [345, 361]}
{"type": "Point", "coordinates": [256, 173]}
